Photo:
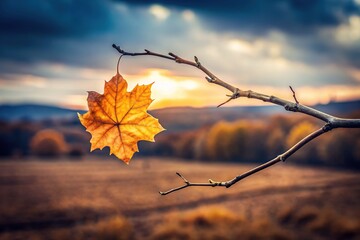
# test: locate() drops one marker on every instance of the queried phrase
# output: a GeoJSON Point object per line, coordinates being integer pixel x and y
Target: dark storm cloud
{"type": "Point", "coordinates": [80, 32]}
{"type": "Point", "coordinates": [301, 21]}
{"type": "Point", "coordinates": [52, 18]}
{"type": "Point", "coordinates": [43, 30]}
{"type": "Point", "coordinates": [261, 16]}
{"type": "Point", "coordinates": [77, 33]}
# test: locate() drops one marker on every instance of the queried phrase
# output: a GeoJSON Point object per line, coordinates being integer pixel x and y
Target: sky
{"type": "Point", "coordinates": [54, 51]}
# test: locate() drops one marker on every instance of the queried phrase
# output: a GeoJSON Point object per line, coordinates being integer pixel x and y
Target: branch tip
{"type": "Point", "coordinates": [212, 182]}
{"type": "Point", "coordinates": [185, 180]}
{"type": "Point", "coordinates": [118, 48]}
{"type": "Point", "coordinates": [294, 95]}
{"type": "Point", "coordinates": [235, 94]}
{"type": "Point", "coordinates": [224, 102]}
{"type": "Point", "coordinates": [197, 61]}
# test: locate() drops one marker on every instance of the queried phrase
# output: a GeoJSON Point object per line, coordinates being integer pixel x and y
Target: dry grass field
{"type": "Point", "coordinates": [106, 199]}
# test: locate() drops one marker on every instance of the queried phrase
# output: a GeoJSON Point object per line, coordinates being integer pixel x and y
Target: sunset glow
{"type": "Point", "coordinates": [169, 90]}
{"type": "Point", "coordinates": [319, 59]}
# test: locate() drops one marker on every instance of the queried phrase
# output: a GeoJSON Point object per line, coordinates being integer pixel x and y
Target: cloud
{"type": "Point", "coordinates": [53, 18]}
{"type": "Point", "coordinates": [247, 43]}
{"type": "Point", "coordinates": [315, 29]}
{"type": "Point", "coordinates": [40, 30]}
{"type": "Point", "coordinates": [80, 32]}
{"type": "Point", "coordinates": [159, 12]}
{"type": "Point", "coordinates": [262, 16]}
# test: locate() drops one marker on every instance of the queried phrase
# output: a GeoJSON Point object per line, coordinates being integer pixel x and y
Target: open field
{"type": "Point", "coordinates": [105, 199]}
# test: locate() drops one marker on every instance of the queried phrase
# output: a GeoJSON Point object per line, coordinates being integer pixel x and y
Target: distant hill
{"type": "Point", "coordinates": [340, 109]}
{"type": "Point", "coordinates": [179, 118]}
{"type": "Point", "coordinates": [35, 112]}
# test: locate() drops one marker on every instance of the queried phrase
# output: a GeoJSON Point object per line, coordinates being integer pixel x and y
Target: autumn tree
{"type": "Point", "coordinates": [298, 132]}
{"type": "Point", "coordinates": [345, 148]}
{"type": "Point", "coordinates": [218, 141]}
{"type": "Point", "coordinates": [48, 143]}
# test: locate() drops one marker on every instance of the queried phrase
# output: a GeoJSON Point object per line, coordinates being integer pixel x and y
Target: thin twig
{"type": "Point", "coordinates": [331, 122]}
{"type": "Point", "coordinates": [190, 184]}
{"type": "Point", "coordinates": [235, 95]}
{"type": "Point", "coordinates": [294, 96]}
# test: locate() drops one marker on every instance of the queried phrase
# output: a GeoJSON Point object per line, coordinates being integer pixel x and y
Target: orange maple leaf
{"type": "Point", "coordinates": [119, 119]}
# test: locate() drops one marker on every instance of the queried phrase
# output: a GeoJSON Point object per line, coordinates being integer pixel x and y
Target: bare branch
{"type": "Point", "coordinates": [173, 57]}
{"type": "Point", "coordinates": [331, 122]}
{"type": "Point", "coordinates": [280, 158]}
{"type": "Point", "coordinates": [190, 184]}
{"type": "Point", "coordinates": [294, 96]}
{"type": "Point", "coordinates": [289, 106]}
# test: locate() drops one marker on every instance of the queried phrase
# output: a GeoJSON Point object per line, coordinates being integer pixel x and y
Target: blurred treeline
{"type": "Point", "coordinates": [250, 140]}
{"type": "Point", "coordinates": [47, 138]}
{"type": "Point", "coordinates": [261, 140]}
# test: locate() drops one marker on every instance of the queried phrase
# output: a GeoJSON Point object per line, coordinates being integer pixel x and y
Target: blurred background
{"type": "Point", "coordinates": [52, 187]}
